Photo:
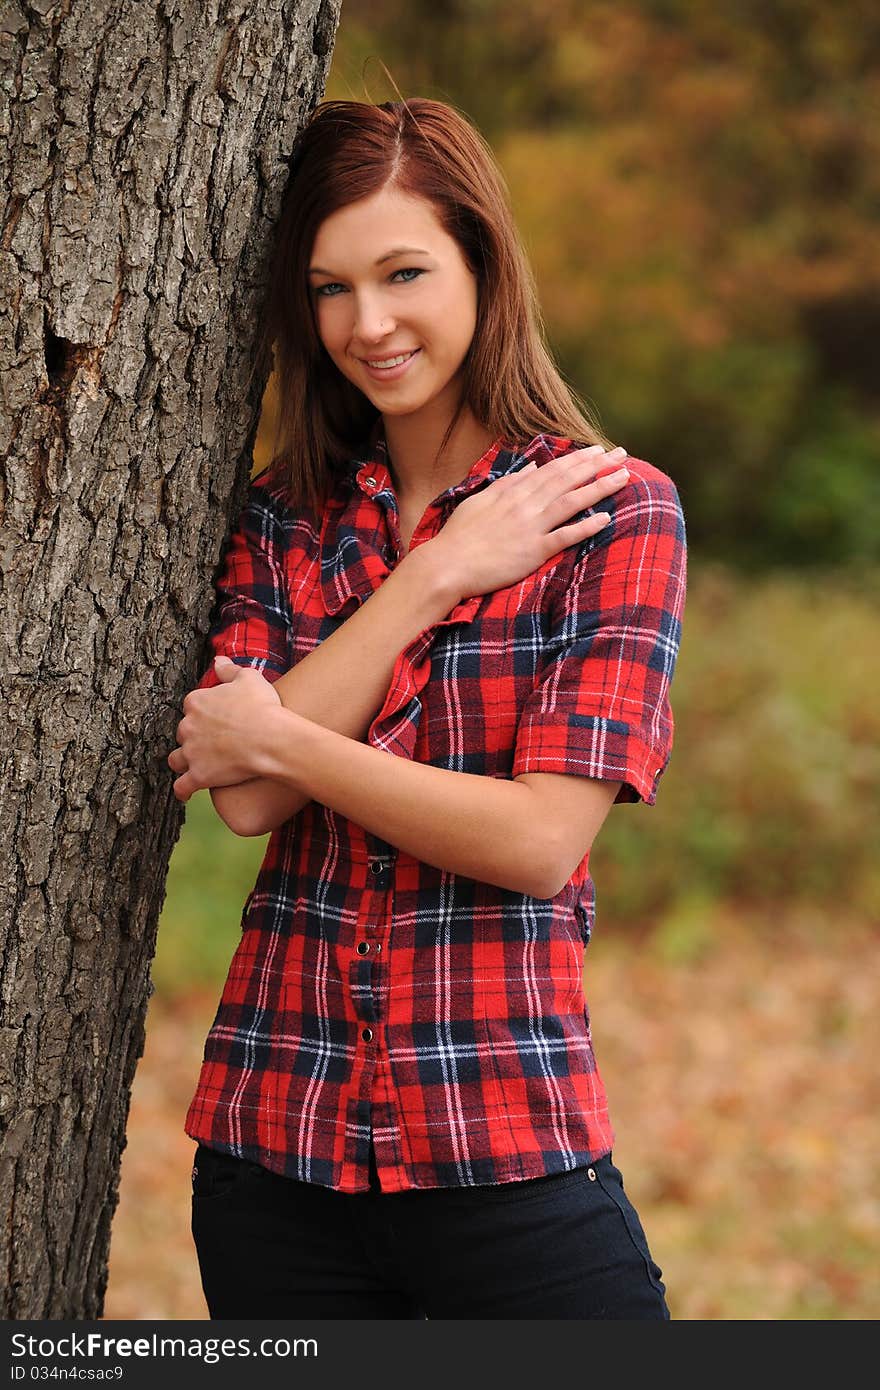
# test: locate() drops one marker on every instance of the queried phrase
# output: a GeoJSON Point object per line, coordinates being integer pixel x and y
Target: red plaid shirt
{"type": "Point", "coordinates": [372, 993]}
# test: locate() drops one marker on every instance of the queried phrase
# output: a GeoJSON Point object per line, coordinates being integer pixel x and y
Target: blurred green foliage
{"type": "Point", "coordinates": [210, 875]}
{"type": "Point", "coordinates": [771, 798]}
{"type": "Point", "coordinates": [697, 186]}
{"type": "Point", "coordinates": [772, 795]}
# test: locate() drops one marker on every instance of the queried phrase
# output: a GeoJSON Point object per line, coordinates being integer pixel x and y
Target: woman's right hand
{"type": "Point", "coordinates": [500, 534]}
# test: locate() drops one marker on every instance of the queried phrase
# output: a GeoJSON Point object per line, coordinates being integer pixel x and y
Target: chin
{"type": "Point", "coordinates": [399, 407]}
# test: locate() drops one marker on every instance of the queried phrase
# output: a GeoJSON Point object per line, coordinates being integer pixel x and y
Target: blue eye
{"type": "Point", "coordinates": [329, 290]}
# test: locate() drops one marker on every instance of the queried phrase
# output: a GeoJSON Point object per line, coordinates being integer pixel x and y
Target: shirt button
{"type": "Point", "coordinates": [591, 1174]}
{"type": "Point", "coordinates": [367, 1034]}
{"type": "Point", "coordinates": [363, 947]}
{"type": "Point", "coordinates": [370, 482]}
{"type": "Point", "coordinates": [376, 866]}
{"type": "Point", "coordinates": [377, 948]}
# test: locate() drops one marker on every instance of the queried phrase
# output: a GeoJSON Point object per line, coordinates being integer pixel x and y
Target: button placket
{"type": "Point", "coordinates": [361, 988]}
{"type": "Point", "coordinates": [363, 978]}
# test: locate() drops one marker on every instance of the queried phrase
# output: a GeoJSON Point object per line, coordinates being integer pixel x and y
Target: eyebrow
{"type": "Point", "coordinates": [398, 251]}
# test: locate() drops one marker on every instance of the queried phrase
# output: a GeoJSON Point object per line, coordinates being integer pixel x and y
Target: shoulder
{"type": "Point", "coordinates": [269, 506]}
{"type": "Point", "coordinates": [648, 502]}
{"type": "Point", "coordinates": [651, 481]}
{"type": "Point", "coordinates": [642, 550]}
{"type": "Point", "coordinates": [553, 446]}
{"type": "Point", "coordinates": [269, 489]}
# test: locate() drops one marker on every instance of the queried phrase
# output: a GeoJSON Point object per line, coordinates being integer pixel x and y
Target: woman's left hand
{"type": "Point", "coordinates": [217, 736]}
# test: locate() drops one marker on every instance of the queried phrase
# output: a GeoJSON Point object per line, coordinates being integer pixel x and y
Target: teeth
{"type": "Point", "coordinates": [392, 361]}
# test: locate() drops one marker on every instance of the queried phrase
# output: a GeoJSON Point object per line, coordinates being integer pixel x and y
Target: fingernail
{"type": "Point", "coordinates": [604, 517]}
{"type": "Point", "coordinates": [619, 450]}
{"type": "Point", "coordinates": [619, 473]}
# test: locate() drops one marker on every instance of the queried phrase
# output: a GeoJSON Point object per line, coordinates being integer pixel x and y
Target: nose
{"type": "Point", "coordinates": [372, 321]}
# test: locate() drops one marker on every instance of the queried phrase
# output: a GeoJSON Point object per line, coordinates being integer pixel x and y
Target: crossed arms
{"type": "Point", "coordinates": [527, 834]}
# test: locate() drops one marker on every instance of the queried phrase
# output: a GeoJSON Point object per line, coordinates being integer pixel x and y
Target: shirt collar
{"type": "Point", "coordinates": [354, 560]}
{"type": "Point", "coordinates": [371, 472]}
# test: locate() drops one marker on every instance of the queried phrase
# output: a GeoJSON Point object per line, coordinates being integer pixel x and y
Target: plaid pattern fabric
{"type": "Point", "coordinates": [372, 993]}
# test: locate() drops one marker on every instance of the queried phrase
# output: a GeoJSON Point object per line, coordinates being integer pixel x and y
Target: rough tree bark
{"type": "Point", "coordinates": [144, 169]}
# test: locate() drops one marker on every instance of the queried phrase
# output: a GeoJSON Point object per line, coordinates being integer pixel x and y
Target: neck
{"type": "Point", "coordinates": [413, 442]}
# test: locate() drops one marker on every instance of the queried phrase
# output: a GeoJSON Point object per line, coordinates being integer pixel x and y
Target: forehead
{"type": "Point", "coordinates": [366, 229]}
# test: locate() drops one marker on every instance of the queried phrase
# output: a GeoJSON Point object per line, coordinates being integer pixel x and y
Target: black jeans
{"type": "Point", "coordinates": [566, 1246]}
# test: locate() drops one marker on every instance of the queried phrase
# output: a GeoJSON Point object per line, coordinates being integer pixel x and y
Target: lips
{"type": "Point", "coordinates": [390, 360]}
{"type": "Point", "coordinates": [390, 373]}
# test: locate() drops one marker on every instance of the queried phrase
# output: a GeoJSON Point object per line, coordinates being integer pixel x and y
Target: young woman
{"type": "Point", "coordinates": [446, 628]}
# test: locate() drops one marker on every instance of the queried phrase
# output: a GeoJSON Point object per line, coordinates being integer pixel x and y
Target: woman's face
{"type": "Point", "coordinates": [387, 282]}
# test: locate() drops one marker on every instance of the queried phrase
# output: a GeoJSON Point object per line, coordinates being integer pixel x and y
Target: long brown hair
{"type": "Point", "coordinates": [347, 151]}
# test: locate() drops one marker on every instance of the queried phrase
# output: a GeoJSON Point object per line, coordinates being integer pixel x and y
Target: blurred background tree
{"type": "Point", "coordinates": [698, 186]}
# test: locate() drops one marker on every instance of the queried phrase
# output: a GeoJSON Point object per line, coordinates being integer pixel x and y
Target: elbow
{"type": "Point", "coordinates": [545, 885]}
{"type": "Point", "coordinates": [250, 827]}
{"type": "Point", "coordinates": [237, 827]}
{"type": "Point", "coordinates": [253, 826]}
{"type": "Point", "coordinates": [235, 818]}
{"type": "Point", "coordinates": [553, 869]}
{"type": "Point", "coordinates": [549, 875]}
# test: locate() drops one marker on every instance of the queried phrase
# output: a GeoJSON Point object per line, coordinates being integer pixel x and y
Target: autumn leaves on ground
{"type": "Point", "coordinates": [743, 1093]}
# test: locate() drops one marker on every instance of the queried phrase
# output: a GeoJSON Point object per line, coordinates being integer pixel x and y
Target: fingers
{"type": "Point", "coordinates": [577, 469]}
{"type": "Point", "coordinates": [578, 497]}
{"type": "Point", "coordinates": [577, 531]}
{"type": "Point", "coordinates": [588, 494]}
{"type": "Point", "coordinates": [586, 463]}
{"type": "Point", "coordinates": [177, 760]}
{"type": "Point", "coordinates": [579, 500]}
{"type": "Point", "coordinates": [183, 787]}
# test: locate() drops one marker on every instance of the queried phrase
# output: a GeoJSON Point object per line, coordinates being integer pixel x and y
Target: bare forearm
{"type": "Point", "coordinates": [342, 683]}
{"type": "Point", "coordinates": [482, 827]}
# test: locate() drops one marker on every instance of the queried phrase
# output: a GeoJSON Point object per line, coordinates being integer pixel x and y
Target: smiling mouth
{"type": "Point", "coordinates": [385, 363]}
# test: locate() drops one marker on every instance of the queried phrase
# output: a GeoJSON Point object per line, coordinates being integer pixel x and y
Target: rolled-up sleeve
{"type": "Point", "coordinates": [251, 620]}
{"type": "Point", "coordinates": [601, 706]}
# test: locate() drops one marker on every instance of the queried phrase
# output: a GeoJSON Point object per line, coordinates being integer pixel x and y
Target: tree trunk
{"type": "Point", "coordinates": [143, 176]}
